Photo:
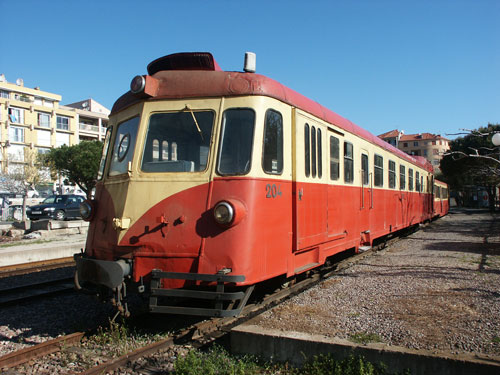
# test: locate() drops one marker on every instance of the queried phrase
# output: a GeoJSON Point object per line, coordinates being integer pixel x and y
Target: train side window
{"type": "Point", "coordinates": [320, 152]}
{"type": "Point", "coordinates": [164, 150]}
{"type": "Point", "coordinates": [417, 181]}
{"type": "Point", "coordinates": [379, 170]}
{"type": "Point", "coordinates": [392, 174]}
{"type": "Point", "coordinates": [307, 148]}
{"type": "Point", "coordinates": [105, 151]}
{"type": "Point", "coordinates": [348, 162]}
{"type": "Point", "coordinates": [236, 141]}
{"type": "Point", "coordinates": [272, 161]}
{"type": "Point", "coordinates": [364, 168]}
{"type": "Point", "coordinates": [334, 158]}
{"type": "Point", "coordinates": [422, 187]}
{"type": "Point", "coordinates": [402, 177]}
{"type": "Point", "coordinates": [313, 151]}
{"type": "Point", "coordinates": [410, 179]}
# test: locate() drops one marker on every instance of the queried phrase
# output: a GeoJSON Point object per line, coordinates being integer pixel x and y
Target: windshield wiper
{"type": "Point", "coordinates": [195, 121]}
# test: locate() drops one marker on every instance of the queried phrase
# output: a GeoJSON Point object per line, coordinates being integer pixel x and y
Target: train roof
{"type": "Point", "coordinates": [191, 75]}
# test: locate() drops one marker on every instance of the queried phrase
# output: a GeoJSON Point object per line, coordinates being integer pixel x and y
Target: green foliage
{"type": "Point", "coordinates": [365, 337]}
{"type": "Point", "coordinates": [214, 362]}
{"type": "Point", "coordinates": [79, 163]}
{"type": "Point", "coordinates": [218, 362]}
{"type": "Point", "coordinates": [460, 169]}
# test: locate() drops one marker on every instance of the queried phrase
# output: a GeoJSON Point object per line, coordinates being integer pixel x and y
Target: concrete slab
{"type": "Point", "coordinates": [51, 246]}
{"type": "Point", "coordinates": [296, 348]}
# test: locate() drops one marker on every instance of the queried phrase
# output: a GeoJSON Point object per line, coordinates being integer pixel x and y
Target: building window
{"type": "Point", "coordinates": [62, 139]}
{"type": "Point", "coordinates": [364, 168]}
{"type": "Point", "coordinates": [48, 103]}
{"type": "Point", "coordinates": [425, 152]}
{"type": "Point", "coordinates": [392, 174]}
{"type": "Point", "coordinates": [334, 158]}
{"type": "Point", "coordinates": [62, 123]}
{"type": "Point", "coordinates": [348, 162]}
{"type": "Point", "coordinates": [405, 144]}
{"type": "Point", "coordinates": [43, 137]}
{"type": "Point", "coordinates": [16, 134]}
{"type": "Point", "coordinates": [272, 160]}
{"type": "Point", "coordinates": [433, 143]}
{"type": "Point", "coordinates": [415, 143]}
{"type": "Point", "coordinates": [435, 152]}
{"type": "Point", "coordinates": [38, 101]}
{"type": "Point", "coordinates": [4, 94]}
{"type": "Point", "coordinates": [44, 120]}
{"type": "Point", "coordinates": [379, 170]}
{"type": "Point", "coordinates": [402, 177]}
{"type": "Point", "coordinates": [16, 115]}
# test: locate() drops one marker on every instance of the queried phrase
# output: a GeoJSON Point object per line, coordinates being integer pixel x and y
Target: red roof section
{"type": "Point", "coordinates": [176, 84]}
{"type": "Point", "coordinates": [421, 136]}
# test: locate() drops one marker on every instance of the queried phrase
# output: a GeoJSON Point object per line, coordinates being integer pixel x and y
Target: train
{"type": "Point", "coordinates": [212, 182]}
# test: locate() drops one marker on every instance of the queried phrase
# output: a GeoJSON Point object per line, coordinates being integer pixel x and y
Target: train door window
{"type": "Point", "coordinates": [184, 138]}
{"type": "Point", "coordinates": [379, 170]}
{"type": "Point", "coordinates": [313, 151]}
{"type": "Point", "coordinates": [236, 141]}
{"type": "Point", "coordinates": [410, 179]}
{"type": "Point", "coordinates": [272, 160]}
{"type": "Point", "coordinates": [364, 169]}
{"type": "Point", "coordinates": [334, 158]}
{"type": "Point", "coordinates": [307, 148]}
{"type": "Point", "coordinates": [348, 162]}
{"type": "Point", "coordinates": [320, 152]}
{"type": "Point", "coordinates": [402, 177]}
{"type": "Point", "coordinates": [417, 181]}
{"type": "Point", "coordinates": [392, 174]}
{"type": "Point", "coordinates": [123, 148]}
{"type": "Point", "coordinates": [422, 187]}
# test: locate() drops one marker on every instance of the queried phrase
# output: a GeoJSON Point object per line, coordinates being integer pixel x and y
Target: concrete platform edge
{"type": "Point", "coordinates": [296, 348]}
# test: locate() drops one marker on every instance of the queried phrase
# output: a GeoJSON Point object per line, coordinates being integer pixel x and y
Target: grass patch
{"type": "Point", "coordinates": [496, 340]}
{"type": "Point", "coordinates": [216, 361]}
{"type": "Point", "coordinates": [364, 338]}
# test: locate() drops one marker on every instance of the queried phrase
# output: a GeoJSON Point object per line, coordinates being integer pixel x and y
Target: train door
{"type": "Point", "coordinates": [365, 197]}
{"type": "Point", "coordinates": [309, 190]}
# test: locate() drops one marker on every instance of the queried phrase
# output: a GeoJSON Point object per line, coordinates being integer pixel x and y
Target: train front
{"type": "Point", "coordinates": [155, 204]}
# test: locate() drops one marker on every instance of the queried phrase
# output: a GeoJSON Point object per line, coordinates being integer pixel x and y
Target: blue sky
{"type": "Point", "coordinates": [420, 66]}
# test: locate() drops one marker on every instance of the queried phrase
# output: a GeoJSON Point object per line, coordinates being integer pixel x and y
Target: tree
{"type": "Point", "coordinates": [78, 163]}
{"type": "Point", "coordinates": [473, 160]}
{"type": "Point", "coordinates": [24, 177]}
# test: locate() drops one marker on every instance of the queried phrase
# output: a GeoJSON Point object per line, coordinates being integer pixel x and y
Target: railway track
{"type": "Point", "coordinates": [198, 334]}
{"type": "Point", "coordinates": [29, 292]}
{"type": "Point", "coordinates": [45, 265]}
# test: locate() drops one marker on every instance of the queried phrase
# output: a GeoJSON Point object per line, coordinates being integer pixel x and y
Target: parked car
{"type": "Point", "coordinates": [59, 207]}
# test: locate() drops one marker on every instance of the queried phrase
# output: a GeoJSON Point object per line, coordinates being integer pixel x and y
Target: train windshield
{"type": "Point", "coordinates": [236, 141]}
{"type": "Point", "coordinates": [178, 142]}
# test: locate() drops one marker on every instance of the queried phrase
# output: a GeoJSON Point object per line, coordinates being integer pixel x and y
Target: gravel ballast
{"type": "Point", "coordinates": [437, 289]}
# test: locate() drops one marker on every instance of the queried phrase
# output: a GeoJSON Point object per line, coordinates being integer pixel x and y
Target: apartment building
{"type": "Point", "coordinates": [32, 119]}
{"type": "Point", "coordinates": [430, 146]}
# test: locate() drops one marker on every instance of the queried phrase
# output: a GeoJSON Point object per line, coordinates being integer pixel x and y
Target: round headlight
{"type": "Point", "coordinates": [86, 210]}
{"type": "Point", "coordinates": [223, 213]}
{"type": "Point", "coordinates": [138, 84]}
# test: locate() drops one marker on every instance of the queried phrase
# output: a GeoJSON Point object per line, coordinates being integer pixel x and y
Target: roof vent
{"type": "Point", "coordinates": [184, 61]}
{"type": "Point", "coordinates": [250, 62]}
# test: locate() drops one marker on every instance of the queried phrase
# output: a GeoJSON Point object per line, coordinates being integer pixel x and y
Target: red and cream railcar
{"type": "Point", "coordinates": [214, 181]}
{"type": "Point", "coordinates": [441, 199]}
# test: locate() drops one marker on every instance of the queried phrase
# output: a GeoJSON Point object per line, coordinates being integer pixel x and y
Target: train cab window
{"type": "Point", "coordinates": [392, 174]}
{"type": "Point", "coordinates": [348, 162]}
{"type": "Point", "coordinates": [313, 151]}
{"type": "Point", "coordinates": [272, 161]}
{"type": "Point", "coordinates": [402, 177]}
{"type": "Point", "coordinates": [102, 164]}
{"type": "Point", "coordinates": [178, 142]}
{"type": "Point", "coordinates": [410, 179]}
{"type": "Point", "coordinates": [417, 182]}
{"type": "Point", "coordinates": [364, 168]}
{"type": "Point", "coordinates": [236, 141]}
{"type": "Point", "coordinates": [334, 158]}
{"type": "Point", "coordinates": [123, 148]}
{"type": "Point", "coordinates": [307, 148]}
{"type": "Point", "coordinates": [379, 170]}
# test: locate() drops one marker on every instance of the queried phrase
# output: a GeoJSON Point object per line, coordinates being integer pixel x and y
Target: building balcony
{"type": "Point", "coordinates": [89, 128]}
